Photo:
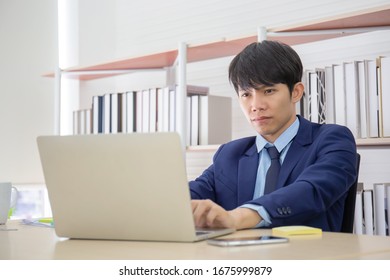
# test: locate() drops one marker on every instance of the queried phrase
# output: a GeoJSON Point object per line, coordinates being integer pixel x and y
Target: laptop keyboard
{"type": "Point", "coordinates": [201, 232]}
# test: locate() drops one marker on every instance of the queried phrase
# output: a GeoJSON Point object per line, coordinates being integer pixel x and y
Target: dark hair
{"type": "Point", "coordinates": [265, 63]}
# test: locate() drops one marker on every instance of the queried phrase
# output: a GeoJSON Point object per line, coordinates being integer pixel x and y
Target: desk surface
{"type": "Point", "coordinates": [31, 242]}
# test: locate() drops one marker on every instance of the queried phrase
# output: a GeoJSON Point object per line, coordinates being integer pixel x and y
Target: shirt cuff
{"type": "Point", "coordinates": [266, 220]}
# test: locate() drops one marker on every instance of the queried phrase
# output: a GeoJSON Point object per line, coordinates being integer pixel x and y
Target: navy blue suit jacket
{"type": "Point", "coordinates": [314, 179]}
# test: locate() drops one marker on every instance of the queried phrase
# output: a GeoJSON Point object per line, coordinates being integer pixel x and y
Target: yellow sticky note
{"type": "Point", "coordinates": [296, 230]}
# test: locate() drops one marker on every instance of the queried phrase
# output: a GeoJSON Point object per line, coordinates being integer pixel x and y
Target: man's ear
{"type": "Point", "coordinates": [297, 92]}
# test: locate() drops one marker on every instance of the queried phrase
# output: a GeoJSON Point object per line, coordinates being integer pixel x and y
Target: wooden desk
{"type": "Point", "coordinates": [30, 242]}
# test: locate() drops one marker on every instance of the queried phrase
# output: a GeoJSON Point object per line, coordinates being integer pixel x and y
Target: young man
{"type": "Point", "coordinates": [318, 162]}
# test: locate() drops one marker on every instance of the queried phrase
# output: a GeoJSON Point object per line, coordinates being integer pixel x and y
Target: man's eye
{"type": "Point", "coordinates": [269, 91]}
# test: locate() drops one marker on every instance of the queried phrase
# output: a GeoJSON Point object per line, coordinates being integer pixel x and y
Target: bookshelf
{"type": "Point", "coordinates": [342, 25]}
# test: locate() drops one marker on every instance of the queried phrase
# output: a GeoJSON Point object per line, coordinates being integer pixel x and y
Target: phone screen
{"type": "Point", "coordinates": [239, 241]}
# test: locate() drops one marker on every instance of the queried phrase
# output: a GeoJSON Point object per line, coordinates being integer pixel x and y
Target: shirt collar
{"type": "Point", "coordinates": [286, 137]}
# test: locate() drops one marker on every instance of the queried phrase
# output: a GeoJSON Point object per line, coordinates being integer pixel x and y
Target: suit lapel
{"type": "Point", "coordinates": [303, 138]}
{"type": "Point", "coordinates": [247, 173]}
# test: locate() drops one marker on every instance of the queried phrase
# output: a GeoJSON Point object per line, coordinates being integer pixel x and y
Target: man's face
{"type": "Point", "coordinates": [270, 109]}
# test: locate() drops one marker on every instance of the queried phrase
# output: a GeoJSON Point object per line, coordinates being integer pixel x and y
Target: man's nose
{"type": "Point", "coordinates": [257, 102]}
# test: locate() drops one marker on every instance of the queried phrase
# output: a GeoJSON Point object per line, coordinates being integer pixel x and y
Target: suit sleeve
{"type": "Point", "coordinates": [318, 183]}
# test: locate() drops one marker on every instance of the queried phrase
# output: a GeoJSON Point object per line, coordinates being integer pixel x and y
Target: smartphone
{"type": "Point", "coordinates": [240, 241]}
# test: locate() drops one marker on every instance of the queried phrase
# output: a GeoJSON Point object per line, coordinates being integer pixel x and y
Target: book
{"type": "Point", "coordinates": [97, 112]}
{"type": "Point", "coordinates": [363, 98]}
{"type": "Point", "coordinates": [88, 121]}
{"type": "Point", "coordinates": [152, 110]}
{"type": "Point", "coordinates": [339, 93]}
{"type": "Point", "coordinates": [138, 111]}
{"type": "Point", "coordinates": [296, 230]}
{"type": "Point", "coordinates": [160, 110]}
{"type": "Point", "coordinates": [165, 108]}
{"type": "Point", "coordinates": [358, 221]}
{"type": "Point", "coordinates": [188, 120]}
{"type": "Point", "coordinates": [123, 121]}
{"type": "Point", "coordinates": [215, 117]}
{"type": "Point", "coordinates": [107, 113]}
{"type": "Point", "coordinates": [329, 92]}
{"type": "Point", "coordinates": [303, 107]}
{"type": "Point", "coordinates": [385, 95]}
{"type": "Point", "coordinates": [379, 209]}
{"type": "Point", "coordinates": [194, 120]}
{"type": "Point", "coordinates": [368, 213]}
{"type": "Point", "coordinates": [387, 209]}
{"type": "Point", "coordinates": [76, 122]}
{"type": "Point", "coordinates": [313, 97]}
{"type": "Point", "coordinates": [372, 92]}
{"type": "Point", "coordinates": [145, 110]}
{"type": "Point", "coordinates": [352, 97]}
{"type": "Point", "coordinates": [321, 95]}
{"type": "Point", "coordinates": [116, 112]}
{"type": "Point", "coordinates": [131, 111]}
{"type": "Point", "coordinates": [82, 121]}
{"type": "Point", "coordinates": [380, 107]}
{"type": "Point", "coordinates": [172, 110]}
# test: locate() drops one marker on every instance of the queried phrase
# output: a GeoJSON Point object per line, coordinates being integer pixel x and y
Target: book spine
{"type": "Point", "coordinates": [379, 209]}
{"type": "Point", "coordinates": [368, 215]}
{"type": "Point", "coordinates": [387, 186]}
{"type": "Point", "coordinates": [385, 95]}
{"type": "Point", "coordinates": [358, 221]}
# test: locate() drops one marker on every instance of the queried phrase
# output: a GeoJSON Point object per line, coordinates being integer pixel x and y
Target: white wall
{"type": "Point", "coordinates": [27, 50]}
{"type": "Point", "coordinates": [113, 29]}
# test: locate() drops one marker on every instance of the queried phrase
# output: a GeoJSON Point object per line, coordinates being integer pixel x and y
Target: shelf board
{"type": "Point", "coordinates": [379, 17]}
{"type": "Point", "coordinates": [203, 148]}
{"type": "Point", "coordinates": [376, 17]}
{"type": "Point", "coordinates": [373, 142]}
{"type": "Point", "coordinates": [367, 142]}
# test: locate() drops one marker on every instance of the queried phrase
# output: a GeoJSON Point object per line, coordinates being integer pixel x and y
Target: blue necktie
{"type": "Point", "coordinates": [273, 171]}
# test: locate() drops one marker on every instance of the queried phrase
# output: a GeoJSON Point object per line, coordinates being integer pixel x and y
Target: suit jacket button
{"type": "Point", "coordinates": [280, 211]}
{"type": "Point", "coordinates": [288, 210]}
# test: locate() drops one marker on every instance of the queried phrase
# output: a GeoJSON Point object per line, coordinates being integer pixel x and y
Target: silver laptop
{"type": "Point", "coordinates": [119, 187]}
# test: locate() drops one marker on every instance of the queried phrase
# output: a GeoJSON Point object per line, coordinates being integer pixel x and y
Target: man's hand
{"type": "Point", "coordinates": [208, 214]}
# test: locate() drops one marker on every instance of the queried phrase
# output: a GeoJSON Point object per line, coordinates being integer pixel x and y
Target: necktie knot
{"type": "Point", "coordinates": [273, 152]}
